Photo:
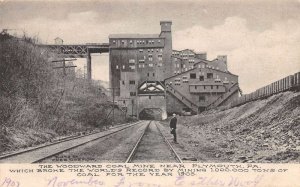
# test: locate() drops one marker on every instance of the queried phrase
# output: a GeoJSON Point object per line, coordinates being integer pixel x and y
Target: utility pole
{"type": "Point", "coordinates": [113, 110]}
{"type": "Point", "coordinates": [132, 103]}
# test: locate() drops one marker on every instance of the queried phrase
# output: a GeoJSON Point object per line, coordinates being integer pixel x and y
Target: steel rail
{"type": "Point", "coordinates": [133, 151]}
{"type": "Point", "coordinates": [69, 139]}
{"type": "Point", "coordinates": [169, 144]}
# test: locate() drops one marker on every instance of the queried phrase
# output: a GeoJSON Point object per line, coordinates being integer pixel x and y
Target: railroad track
{"type": "Point", "coordinates": [43, 152]}
{"type": "Point", "coordinates": [151, 147]}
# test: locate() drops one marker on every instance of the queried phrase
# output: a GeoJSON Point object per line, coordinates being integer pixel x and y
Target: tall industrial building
{"type": "Point", "coordinates": [148, 74]}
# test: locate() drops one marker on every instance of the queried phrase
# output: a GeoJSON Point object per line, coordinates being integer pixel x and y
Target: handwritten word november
{"type": "Point", "coordinates": [56, 182]}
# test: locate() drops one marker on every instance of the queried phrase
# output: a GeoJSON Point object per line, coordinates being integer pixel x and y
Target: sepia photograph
{"type": "Point", "coordinates": [169, 85]}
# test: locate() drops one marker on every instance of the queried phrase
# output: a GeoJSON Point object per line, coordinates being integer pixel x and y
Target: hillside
{"type": "Point", "coordinates": [261, 131]}
{"type": "Point", "coordinates": [39, 103]}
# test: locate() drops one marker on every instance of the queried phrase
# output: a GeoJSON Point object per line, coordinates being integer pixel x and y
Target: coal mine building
{"type": "Point", "coordinates": [152, 80]}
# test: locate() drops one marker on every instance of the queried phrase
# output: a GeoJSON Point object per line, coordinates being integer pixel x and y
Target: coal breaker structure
{"type": "Point", "coordinates": [152, 76]}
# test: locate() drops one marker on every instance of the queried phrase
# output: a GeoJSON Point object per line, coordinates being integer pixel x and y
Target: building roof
{"type": "Point", "coordinates": [134, 36]}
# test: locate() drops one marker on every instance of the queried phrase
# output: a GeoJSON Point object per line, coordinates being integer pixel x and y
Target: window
{"type": "Point", "coordinates": [123, 67]}
{"type": "Point", "coordinates": [211, 87]}
{"type": "Point", "coordinates": [114, 41]}
{"type": "Point", "coordinates": [132, 66]}
{"type": "Point", "coordinates": [123, 82]}
{"type": "Point", "coordinates": [159, 64]}
{"type": "Point", "coordinates": [150, 59]}
{"type": "Point", "coordinates": [123, 102]}
{"type": "Point", "coordinates": [217, 87]}
{"type": "Point", "coordinates": [117, 67]}
{"type": "Point", "coordinates": [225, 81]}
{"type": "Point", "coordinates": [204, 87]}
{"type": "Point", "coordinates": [158, 41]}
{"type": "Point", "coordinates": [192, 75]}
{"type": "Point", "coordinates": [140, 50]}
{"type": "Point", "coordinates": [130, 41]}
{"type": "Point", "coordinates": [131, 82]}
{"type": "Point", "coordinates": [201, 98]}
{"type": "Point", "coordinates": [123, 42]}
{"type": "Point", "coordinates": [150, 65]}
{"type": "Point", "coordinates": [153, 74]}
{"type": "Point", "coordinates": [132, 94]}
{"type": "Point", "coordinates": [201, 78]}
{"type": "Point", "coordinates": [131, 61]}
{"type": "Point", "coordinates": [210, 75]}
{"type": "Point", "coordinates": [147, 74]}
{"type": "Point", "coordinates": [149, 96]}
{"type": "Point", "coordinates": [196, 87]}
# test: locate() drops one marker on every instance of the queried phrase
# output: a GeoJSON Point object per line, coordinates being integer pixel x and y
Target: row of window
{"type": "Point", "coordinates": [183, 54]}
{"type": "Point", "coordinates": [138, 41]}
{"type": "Point", "coordinates": [123, 66]}
{"type": "Point", "coordinates": [201, 77]}
{"type": "Point", "coordinates": [141, 65]}
{"type": "Point", "coordinates": [130, 82]}
{"type": "Point", "coordinates": [177, 83]}
{"type": "Point", "coordinates": [204, 87]}
{"type": "Point", "coordinates": [191, 61]}
{"type": "Point", "coordinates": [132, 93]}
{"type": "Point", "coordinates": [183, 70]}
{"type": "Point", "coordinates": [207, 66]}
{"type": "Point", "coordinates": [151, 50]}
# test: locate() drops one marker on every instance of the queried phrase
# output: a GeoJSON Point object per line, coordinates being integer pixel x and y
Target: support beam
{"type": "Point", "coordinates": [89, 66]}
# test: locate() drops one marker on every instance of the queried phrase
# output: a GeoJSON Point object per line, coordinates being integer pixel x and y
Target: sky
{"type": "Point", "coordinates": [261, 38]}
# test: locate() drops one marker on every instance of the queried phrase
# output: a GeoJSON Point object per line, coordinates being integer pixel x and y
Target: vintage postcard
{"type": "Point", "coordinates": [130, 93]}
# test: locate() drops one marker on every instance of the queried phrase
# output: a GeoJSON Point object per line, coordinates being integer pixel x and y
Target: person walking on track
{"type": "Point", "coordinates": [173, 124]}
